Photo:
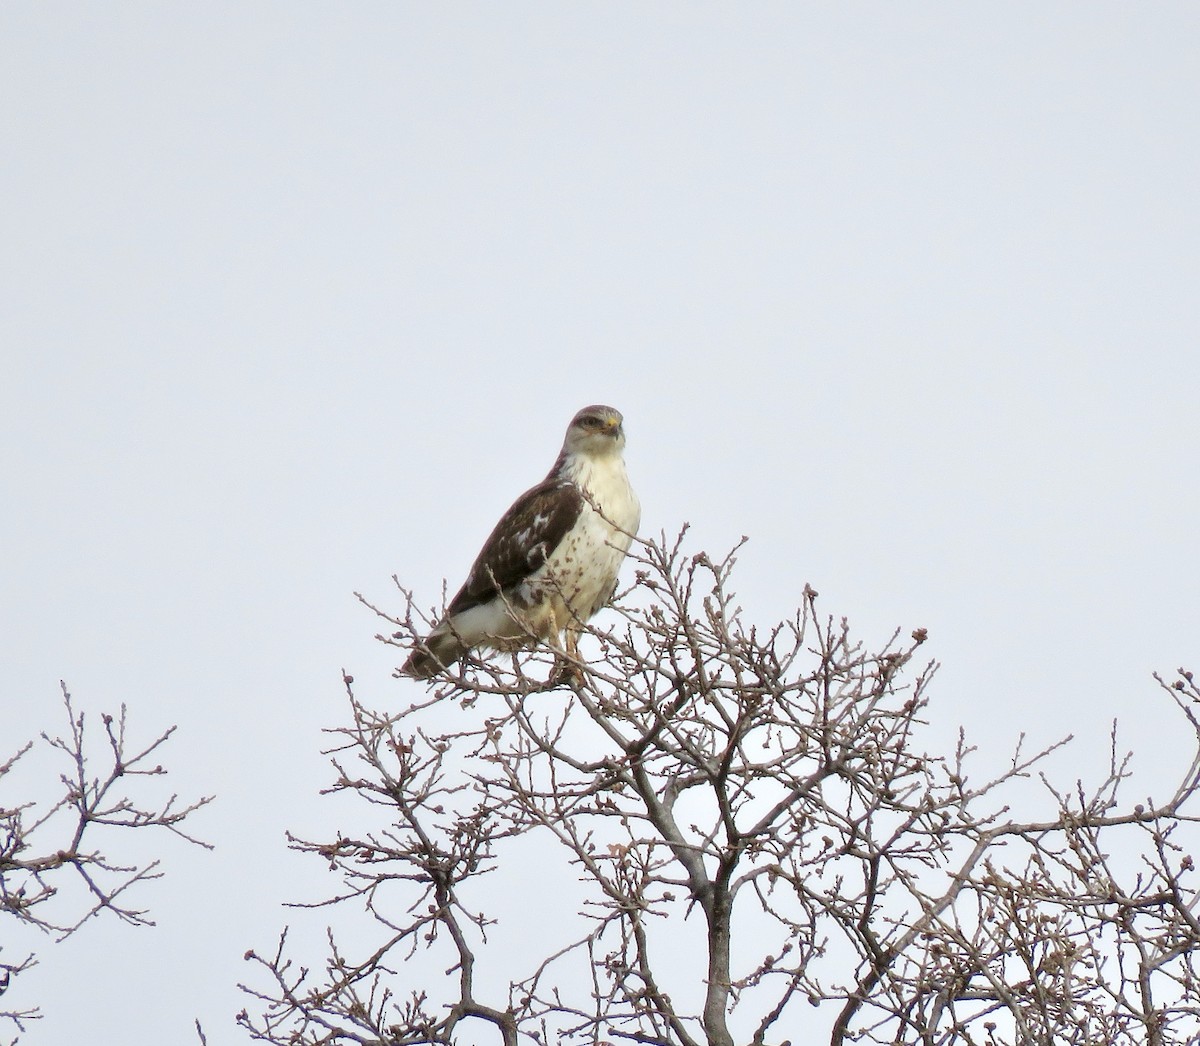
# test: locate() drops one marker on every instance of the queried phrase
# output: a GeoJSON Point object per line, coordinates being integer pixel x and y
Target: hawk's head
{"type": "Point", "coordinates": [595, 430]}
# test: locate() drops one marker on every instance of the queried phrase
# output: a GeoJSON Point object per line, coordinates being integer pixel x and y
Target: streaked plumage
{"type": "Point", "coordinates": [552, 561]}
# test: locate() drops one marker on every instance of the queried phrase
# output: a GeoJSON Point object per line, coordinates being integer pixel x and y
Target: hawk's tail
{"type": "Point", "coordinates": [439, 651]}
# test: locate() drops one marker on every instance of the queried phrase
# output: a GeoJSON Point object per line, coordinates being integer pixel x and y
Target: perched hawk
{"type": "Point", "coordinates": [552, 561]}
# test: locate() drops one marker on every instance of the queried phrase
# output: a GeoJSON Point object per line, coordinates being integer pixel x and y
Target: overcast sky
{"type": "Point", "coordinates": [297, 296]}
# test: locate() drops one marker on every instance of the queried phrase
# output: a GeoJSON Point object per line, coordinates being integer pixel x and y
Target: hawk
{"type": "Point", "coordinates": [552, 561]}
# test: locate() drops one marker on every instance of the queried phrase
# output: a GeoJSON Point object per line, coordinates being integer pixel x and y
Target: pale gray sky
{"type": "Point", "coordinates": [296, 296]}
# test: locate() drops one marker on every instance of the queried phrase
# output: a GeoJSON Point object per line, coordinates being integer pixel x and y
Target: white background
{"type": "Point", "coordinates": [294, 297]}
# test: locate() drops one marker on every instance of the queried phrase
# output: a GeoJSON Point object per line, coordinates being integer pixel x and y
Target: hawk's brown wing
{"type": "Point", "coordinates": [521, 542]}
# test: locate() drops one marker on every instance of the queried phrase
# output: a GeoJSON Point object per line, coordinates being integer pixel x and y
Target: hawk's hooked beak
{"type": "Point", "coordinates": [612, 425]}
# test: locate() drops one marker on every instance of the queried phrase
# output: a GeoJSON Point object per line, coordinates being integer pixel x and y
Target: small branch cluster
{"type": "Point", "coordinates": [763, 845]}
{"type": "Point", "coordinates": [43, 847]}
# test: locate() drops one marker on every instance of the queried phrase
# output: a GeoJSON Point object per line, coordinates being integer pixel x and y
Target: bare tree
{"type": "Point", "coordinates": [765, 854]}
{"type": "Point", "coordinates": [44, 847]}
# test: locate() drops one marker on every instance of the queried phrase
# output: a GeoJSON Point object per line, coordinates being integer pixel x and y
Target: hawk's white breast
{"type": "Point", "coordinates": [582, 570]}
